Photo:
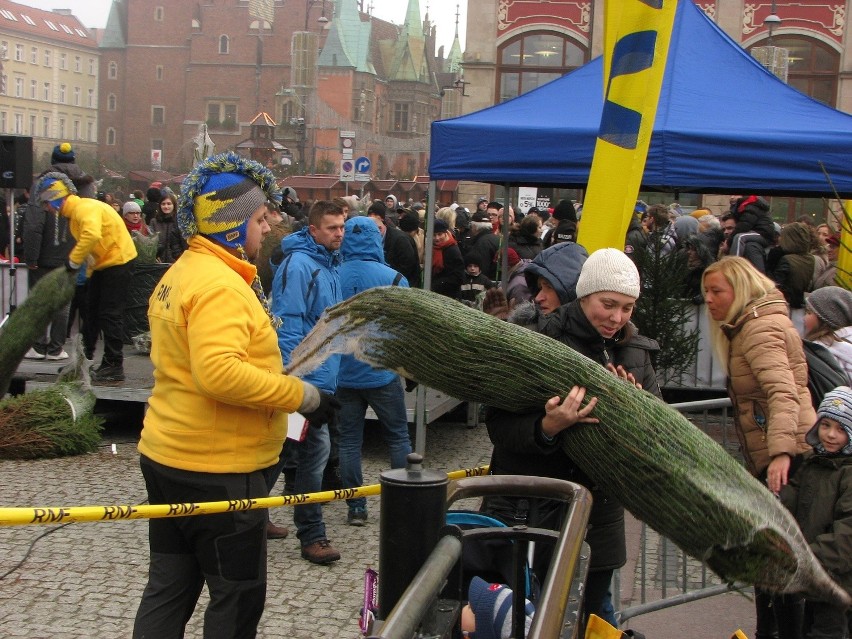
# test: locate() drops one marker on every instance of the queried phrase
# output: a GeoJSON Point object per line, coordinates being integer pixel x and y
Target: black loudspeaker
{"type": "Point", "coordinates": [16, 162]}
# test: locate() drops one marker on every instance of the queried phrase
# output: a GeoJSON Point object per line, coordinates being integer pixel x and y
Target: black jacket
{"type": "Point", "coordinates": [401, 254]}
{"type": "Point", "coordinates": [170, 242]}
{"type": "Point", "coordinates": [520, 449]}
{"type": "Point", "coordinates": [484, 245]}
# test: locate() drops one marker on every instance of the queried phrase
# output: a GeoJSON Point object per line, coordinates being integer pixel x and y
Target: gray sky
{"type": "Point", "coordinates": [94, 13]}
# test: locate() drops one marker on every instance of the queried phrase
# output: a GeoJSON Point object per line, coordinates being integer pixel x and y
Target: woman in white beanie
{"type": "Point", "coordinates": [596, 324]}
{"type": "Point", "coordinates": [828, 321]}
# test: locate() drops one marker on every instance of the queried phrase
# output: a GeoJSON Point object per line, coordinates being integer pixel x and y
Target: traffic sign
{"type": "Point", "coordinates": [362, 164]}
{"type": "Point", "coordinates": [347, 171]}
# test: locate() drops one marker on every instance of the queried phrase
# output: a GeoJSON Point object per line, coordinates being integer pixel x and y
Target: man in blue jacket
{"type": "Point", "coordinates": [360, 385]}
{"type": "Point", "coordinates": [306, 283]}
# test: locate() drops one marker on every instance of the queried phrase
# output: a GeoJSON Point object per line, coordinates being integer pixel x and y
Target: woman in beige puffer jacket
{"type": "Point", "coordinates": [767, 372]}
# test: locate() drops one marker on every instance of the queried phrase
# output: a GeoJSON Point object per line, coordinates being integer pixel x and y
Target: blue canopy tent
{"type": "Point", "coordinates": [724, 125]}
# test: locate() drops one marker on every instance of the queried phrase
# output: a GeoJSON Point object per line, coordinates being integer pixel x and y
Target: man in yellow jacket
{"type": "Point", "coordinates": [102, 238]}
{"type": "Point", "coordinates": [218, 412]}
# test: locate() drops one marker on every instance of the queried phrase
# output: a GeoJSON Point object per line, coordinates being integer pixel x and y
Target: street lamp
{"type": "Point", "coordinates": [322, 19]}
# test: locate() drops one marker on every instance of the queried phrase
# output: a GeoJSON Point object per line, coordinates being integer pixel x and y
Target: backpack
{"type": "Point", "coordinates": [824, 372]}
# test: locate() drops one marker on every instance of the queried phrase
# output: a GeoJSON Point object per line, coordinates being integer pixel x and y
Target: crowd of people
{"type": "Point", "coordinates": [253, 270]}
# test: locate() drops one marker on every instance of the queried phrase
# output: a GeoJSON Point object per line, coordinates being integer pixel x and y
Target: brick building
{"type": "Point", "coordinates": [318, 67]}
{"type": "Point", "coordinates": [49, 89]}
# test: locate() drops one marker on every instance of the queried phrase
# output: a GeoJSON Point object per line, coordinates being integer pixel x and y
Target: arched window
{"type": "Point", "coordinates": [112, 71]}
{"type": "Point", "coordinates": [224, 44]}
{"type": "Point", "coordinates": [533, 59]}
{"type": "Point", "coordinates": [111, 102]}
{"type": "Point", "coordinates": [813, 66]}
{"type": "Point", "coordinates": [110, 137]}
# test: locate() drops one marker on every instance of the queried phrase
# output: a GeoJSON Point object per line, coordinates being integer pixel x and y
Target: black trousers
{"type": "Point", "coordinates": [227, 551]}
{"type": "Point", "coordinates": [106, 302]}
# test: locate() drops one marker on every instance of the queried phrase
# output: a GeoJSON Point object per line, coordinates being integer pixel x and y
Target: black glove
{"type": "Point", "coordinates": [325, 412]}
{"type": "Point", "coordinates": [410, 385]}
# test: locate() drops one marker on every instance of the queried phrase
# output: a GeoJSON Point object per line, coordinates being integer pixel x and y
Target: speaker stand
{"type": "Point", "coordinates": [13, 274]}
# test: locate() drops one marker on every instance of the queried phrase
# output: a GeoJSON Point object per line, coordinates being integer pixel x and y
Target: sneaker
{"type": "Point", "coordinates": [320, 552]}
{"type": "Point", "coordinates": [356, 517]}
{"type": "Point", "coordinates": [108, 374]}
{"type": "Point", "coordinates": [55, 358]}
{"type": "Point", "coordinates": [276, 532]}
{"type": "Point", "coordinates": [33, 354]}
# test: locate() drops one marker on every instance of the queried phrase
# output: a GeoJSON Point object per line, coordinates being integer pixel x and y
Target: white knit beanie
{"type": "Point", "coordinates": [608, 270]}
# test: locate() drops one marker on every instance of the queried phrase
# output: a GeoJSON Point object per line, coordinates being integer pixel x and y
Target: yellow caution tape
{"type": "Point", "coordinates": [74, 514]}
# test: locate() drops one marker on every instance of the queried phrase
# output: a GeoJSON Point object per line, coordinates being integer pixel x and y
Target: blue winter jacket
{"type": "Point", "coordinates": [364, 267]}
{"type": "Point", "coordinates": [306, 282]}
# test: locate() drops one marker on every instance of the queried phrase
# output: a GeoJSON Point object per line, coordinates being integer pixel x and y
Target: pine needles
{"type": "Point", "coordinates": [54, 422]}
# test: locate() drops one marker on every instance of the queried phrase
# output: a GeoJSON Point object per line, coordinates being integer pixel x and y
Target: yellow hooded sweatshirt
{"type": "Point", "coordinates": [99, 231]}
{"type": "Point", "coordinates": [220, 397]}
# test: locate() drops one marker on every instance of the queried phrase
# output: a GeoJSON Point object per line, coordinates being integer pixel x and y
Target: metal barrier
{"type": "Point", "coordinates": [665, 575]}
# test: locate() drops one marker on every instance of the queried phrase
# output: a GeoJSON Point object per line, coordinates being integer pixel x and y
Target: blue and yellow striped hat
{"type": "Point", "coordinates": [53, 187]}
{"type": "Point", "coordinates": [219, 196]}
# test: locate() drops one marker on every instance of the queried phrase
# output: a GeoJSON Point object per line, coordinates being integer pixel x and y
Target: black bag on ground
{"type": "Point", "coordinates": [824, 372]}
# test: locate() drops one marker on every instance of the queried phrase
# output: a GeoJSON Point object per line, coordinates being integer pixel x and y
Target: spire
{"type": "Point", "coordinates": [454, 57]}
{"type": "Point", "coordinates": [412, 25]}
{"type": "Point", "coordinates": [348, 41]}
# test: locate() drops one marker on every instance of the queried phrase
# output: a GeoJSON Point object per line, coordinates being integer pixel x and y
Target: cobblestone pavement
{"type": "Point", "coordinates": [85, 579]}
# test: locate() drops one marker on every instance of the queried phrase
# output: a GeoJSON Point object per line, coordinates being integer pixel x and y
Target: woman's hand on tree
{"type": "Point", "coordinates": [622, 373]}
{"type": "Point", "coordinates": [561, 414]}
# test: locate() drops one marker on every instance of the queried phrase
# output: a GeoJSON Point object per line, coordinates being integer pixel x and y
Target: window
{"type": "Point", "coordinates": [230, 119]}
{"type": "Point", "coordinates": [91, 101]}
{"type": "Point", "coordinates": [45, 126]}
{"type": "Point", "coordinates": [62, 96]}
{"type": "Point", "coordinates": [78, 64]}
{"type": "Point", "coordinates": [46, 95]}
{"type": "Point", "coordinates": [157, 144]}
{"type": "Point", "coordinates": [76, 96]}
{"type": "Point", "coordinates": [28, 20]}
{"type": "Point", "coordinates": [222, 115]}
{"type": "Point", "coordinates": [90, 132]}
{"type": "Point", "coordinates": [111, 102]}
{"type": "Point", "coordinates": [813, 67]}
{"type": "Point", "coordinates": [3, 88]}
{"type": "Point", "coordinates": [34, 55]}
{"type": "Point", "coordinates": [19, 87]}
{"type": "Point", "coordinates": [19, 124]}
{"type": "Point", "coordinates": [224, 44]}
{"type": "Point", "coordinates": [51, 25]}
{"type": "Point", "coordinates": [66, 29]}
{"type": "Point", "coordinates": [76, 130]}
{"type": "Point", "coordinates": [47, 57]}
{"type": "Point", "coordinates": [33, 89]}
{"type": "Point", "coordinates": [32, 125]}
{"type": "Point", "coordinates": [158, 115]}
{"type": "Point", "coordinates": [91, 66]}
{"type": "Point", "coordinates": [63, 61]}
{"type": "Point", "coordinates": [110, 137]}
{"type": "Point", "coordinates": [2, 122]}
{"type": "Point", "coordinates": [19, 53]}
{"type": "Point", "coordinates": [159, 72]}
{"type": "Point", "coordinates": [61, 127]}
{"type": "Point", "coordinates": [158, 14]}
{"type": "Point", "coordinates": [534, 59]}
{"type": "Point", "coordinates": [112, 71]}
{"type": "Point", "coordinates": [400, 117]}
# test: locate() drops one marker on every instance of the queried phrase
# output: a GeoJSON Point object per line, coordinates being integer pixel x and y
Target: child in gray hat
{"type": "Point", "coordinates": [820, 497]}
{"type": "Point", "coordinates": [828, 321]}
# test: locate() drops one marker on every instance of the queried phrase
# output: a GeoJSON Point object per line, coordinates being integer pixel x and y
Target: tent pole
{"type": "Point", "coordinates": [504, 241]}
{"type": "Point", "coordinates": [420, 398]}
